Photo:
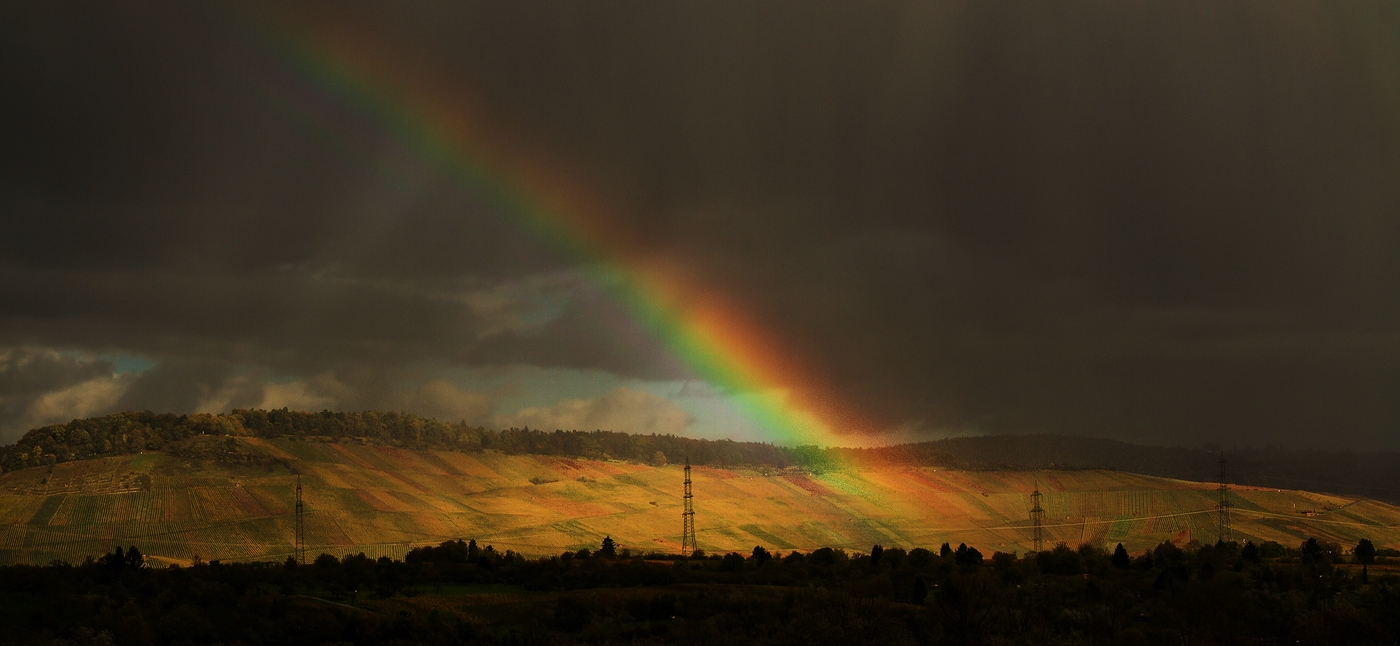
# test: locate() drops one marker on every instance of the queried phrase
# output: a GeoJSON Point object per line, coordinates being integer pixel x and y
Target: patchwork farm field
{"type": "Point", "coordinates": [384, 501]}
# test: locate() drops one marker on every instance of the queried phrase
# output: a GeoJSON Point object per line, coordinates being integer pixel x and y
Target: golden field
{"type": "Point", "coordinates": [384, 501]}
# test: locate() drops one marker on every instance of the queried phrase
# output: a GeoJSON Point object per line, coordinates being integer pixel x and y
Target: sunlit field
{"type": "Point", "coordinates": [385, 501]}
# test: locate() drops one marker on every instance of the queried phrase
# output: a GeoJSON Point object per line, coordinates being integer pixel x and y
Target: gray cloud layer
{"type": "Point", "coordinates": [1164, 222]}
{"type": "Point", "coordinates": [39, 387]}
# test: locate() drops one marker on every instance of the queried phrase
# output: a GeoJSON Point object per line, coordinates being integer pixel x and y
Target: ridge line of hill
{"type": "Point", "coordinates": [1374, 475]}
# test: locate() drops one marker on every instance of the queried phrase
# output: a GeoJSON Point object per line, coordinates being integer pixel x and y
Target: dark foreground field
{"type": "Point", "coordinates": [459, 593]}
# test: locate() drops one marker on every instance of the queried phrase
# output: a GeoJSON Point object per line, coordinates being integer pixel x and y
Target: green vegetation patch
{"type": "Point", "coordinates": [1119, 530]}
{"type": "Point", "coordinates": [1346, 514]}
{"type": "Point", "coordinates": [708, 535]}
{"type": "Point", "coordinates": [898, 533]}
{"type": "Point", "coordinates": [46, 511]}
{"type": "Point", "coordinates": [765, 538]}
{"type": "Point", "coordinates": [346, 500]}
{"type": "Point", "coordinates": [628, 479]}
{"type": "Point", "coordinates": [873, 533]}
{"type": "Point", "coordinates": [87, 510]}
{"type": "Point", "coordinates": [146, 461]}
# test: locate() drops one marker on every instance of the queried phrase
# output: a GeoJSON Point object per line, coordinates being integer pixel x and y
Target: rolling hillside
{"type": "Point", "coordinates": [383, 501]}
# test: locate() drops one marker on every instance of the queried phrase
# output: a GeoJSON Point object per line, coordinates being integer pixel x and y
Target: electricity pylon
{"type": "Point", "coordinates": [301, 528]}
{"type": "Point", "coordinates": [688, 517]}
{"type": "Point", "coordinates": [1037, 520]}
{"type": "Point", "coordinates": [1223, 507]}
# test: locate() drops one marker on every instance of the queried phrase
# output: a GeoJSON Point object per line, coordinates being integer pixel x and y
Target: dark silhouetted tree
{"type": "Point", "coordinates": [967, 555]}
{"type": "Point", "coordinates": [825, 557]}
{"type": "Point", "coordinates": [1312, 552]}
{"type": "Point", "coordinates": [920, 589]}
{"type": "Point", "coordinates": [609, 548]}
{"type": "Point", "coordinates": [875, 553]}
{"type": "Point", "coordinates": [1060, 560]}
{"type": "Point", "coordinates": [760, 555]}
{"type": "Point", "coordinates": [945, 550]}
{"type": "Point", "coordinates": [1365, 554]}
{"type": "Point", "coordinates": [134, 558]}
{"type": "Point", "coordinates": [1121, 560]}
{"type": "Point", "coordinates": [116, 560]}
{"type": "Point", "coordinates": [1250, 552]}
{"type": "Point", "coordinates": [1168, 554]}
{"type": "Point", "coordinates": [966, 607]}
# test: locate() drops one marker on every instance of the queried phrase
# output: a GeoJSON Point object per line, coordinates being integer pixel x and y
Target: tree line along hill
{"type": "Point", "coordinates": [1374, 475]}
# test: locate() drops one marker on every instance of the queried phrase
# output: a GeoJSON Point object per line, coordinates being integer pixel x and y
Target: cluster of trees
{"type": "Point", "coordinates": [1216, 594]}
{"type": "Point", "coordinates": [131, 432]}
{"type": "Point", "coordinates": [115, 434]}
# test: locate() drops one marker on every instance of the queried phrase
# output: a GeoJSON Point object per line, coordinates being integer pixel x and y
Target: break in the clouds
{"type": "Point", "coordinates": [39, 387]}
{"type": "Point", "coordinates": [637, 411]}
{"type": "Point", "coordinates": [1169, 222]}
{"type": "Point", "coordinates": [44, 386]}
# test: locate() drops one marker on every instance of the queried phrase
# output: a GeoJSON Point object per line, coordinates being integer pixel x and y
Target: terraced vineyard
{"type": "Point", "coordinates": [384, 501]}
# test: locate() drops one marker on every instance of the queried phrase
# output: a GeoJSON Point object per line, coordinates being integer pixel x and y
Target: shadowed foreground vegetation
{"type": "Point", "coordinates": [459, 593]}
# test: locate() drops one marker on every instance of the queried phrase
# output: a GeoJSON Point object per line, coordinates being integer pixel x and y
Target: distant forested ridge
{"type": "Point", "coordinates": [132, 432]}
{"type": "Point", "coordinates": [1374, 475]}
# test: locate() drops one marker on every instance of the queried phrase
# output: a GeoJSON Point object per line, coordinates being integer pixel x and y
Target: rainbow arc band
{"type": "Point", "coordinates": [335, 82]}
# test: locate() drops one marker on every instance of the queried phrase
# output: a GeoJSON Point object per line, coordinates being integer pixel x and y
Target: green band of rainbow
{"type": "Point", "coordinates": [328, 75]}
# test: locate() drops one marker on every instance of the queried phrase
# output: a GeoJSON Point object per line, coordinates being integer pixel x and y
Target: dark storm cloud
{"type": "Point", "coordinates": [1170, 222]}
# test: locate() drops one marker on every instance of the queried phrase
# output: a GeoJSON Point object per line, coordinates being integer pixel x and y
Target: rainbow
{"type": "Point", "coordinates": [335, 82]}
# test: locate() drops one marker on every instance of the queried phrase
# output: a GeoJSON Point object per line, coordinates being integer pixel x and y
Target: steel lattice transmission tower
{"type": "Point", "coordinates": [1223, 506]}
{"type": "Point", "coordinates": [1037, 521]}
{"type": "Point", "coordinates": [301, 528]}
{"type": "Point", "coordinates": [688, 517]}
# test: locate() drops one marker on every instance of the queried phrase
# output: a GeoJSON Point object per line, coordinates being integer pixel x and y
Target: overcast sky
{"type": "Point", "coordinates": [1171, 222]}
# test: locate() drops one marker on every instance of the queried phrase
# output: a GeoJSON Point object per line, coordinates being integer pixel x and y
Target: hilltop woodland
{"type": "Point", "coordinates": [459, 593]}
{"type": "Point", "coordinates": [1373, 475]}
